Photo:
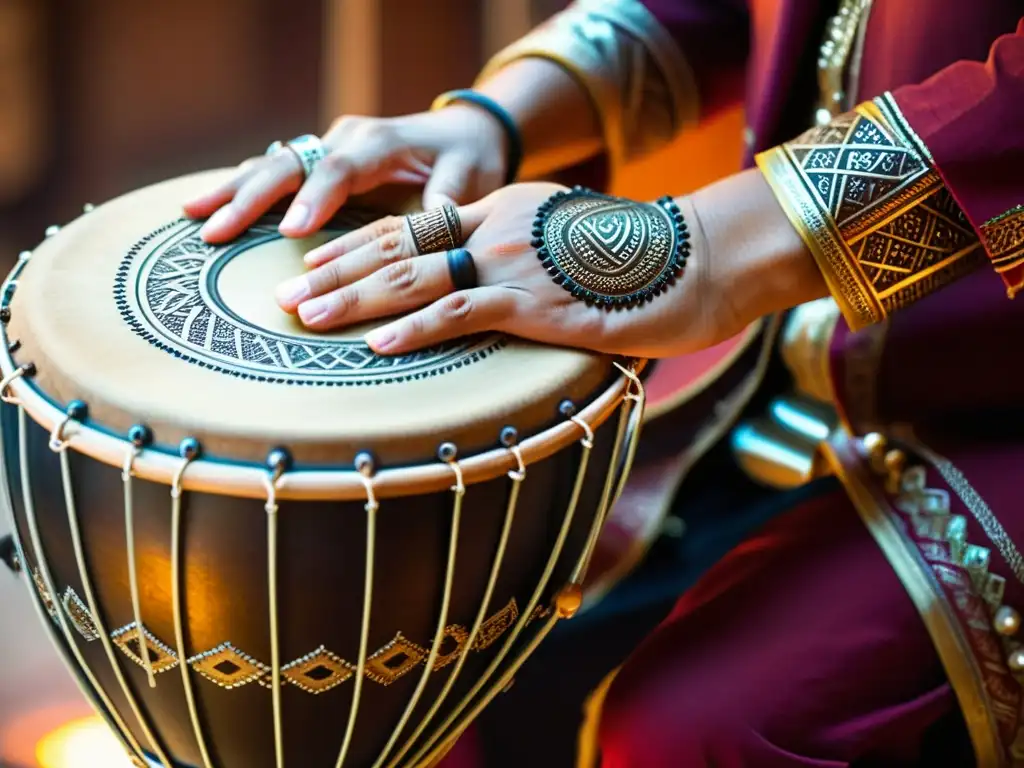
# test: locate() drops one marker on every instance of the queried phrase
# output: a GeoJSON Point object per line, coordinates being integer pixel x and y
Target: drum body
{"type": "Point", "coordinates": [278, 566]}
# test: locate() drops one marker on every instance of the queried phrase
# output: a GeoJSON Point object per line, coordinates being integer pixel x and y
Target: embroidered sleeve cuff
{"type": "Point", "coordinates": [637, 78]}
{"type": "Point", "coordinates": [868, 202]}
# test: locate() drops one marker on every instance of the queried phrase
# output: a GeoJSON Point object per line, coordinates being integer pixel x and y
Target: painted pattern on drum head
{"type": "Point", "coordinates": [167, 291]}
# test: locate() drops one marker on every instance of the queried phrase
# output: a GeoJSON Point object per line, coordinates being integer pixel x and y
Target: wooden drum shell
{"type": "Point", "coordinates": [321, 560]}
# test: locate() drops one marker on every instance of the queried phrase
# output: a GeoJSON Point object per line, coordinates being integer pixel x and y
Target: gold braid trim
{"type": "Point", "coordinates": [875, 214]}
{"type": "Point", "coordinates": [1004, 239]}
{"type": "Point", "coordinates": [640, 83]}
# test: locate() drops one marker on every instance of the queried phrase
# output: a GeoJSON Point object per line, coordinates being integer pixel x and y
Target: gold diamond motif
{"type": "Point", "coordinates": [228, 667]}
{"type": "Point", "coordinates": [457, 634]}
{"type": "Point", "coordinates": [44, 594]}
{"type": "Point", "coordinates": [496, 626]}
{"type": "Point", "coordinates": [80, 617]}
{"type": "Point", "coordinates": [317, 672]}
{"type": "Point", "coordinates": [540, 612]}
{"type": "Point", "coordinates": [394, 660]}
{"type": "Point", "coordinates": [161, 658]}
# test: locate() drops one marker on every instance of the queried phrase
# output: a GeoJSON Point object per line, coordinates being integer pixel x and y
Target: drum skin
{"type": "Point", "coordinates": [322, 550]}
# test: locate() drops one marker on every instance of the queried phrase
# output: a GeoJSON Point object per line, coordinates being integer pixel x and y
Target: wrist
{"type": "Point", "coordinates": [513, 143]}
{"type": "Point", "coordinates": [746, 252]}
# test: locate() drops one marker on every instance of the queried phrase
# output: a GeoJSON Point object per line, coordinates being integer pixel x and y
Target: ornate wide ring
{"type": "Point", "coordinates": [308, 149]}
{"type": "Point", "coordinates": [462, 269]}
{"type": "Point", "coordinates": [437, 230]}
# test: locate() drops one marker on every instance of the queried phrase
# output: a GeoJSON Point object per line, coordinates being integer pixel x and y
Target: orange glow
{"type": "Point", "coordinates": [84, 743]}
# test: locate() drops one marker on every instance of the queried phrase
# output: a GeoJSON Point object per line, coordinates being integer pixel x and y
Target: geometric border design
{"type": "Point", "coordinates": [161, 658]}
{"type": "Point", "coordinates": [166, 290]}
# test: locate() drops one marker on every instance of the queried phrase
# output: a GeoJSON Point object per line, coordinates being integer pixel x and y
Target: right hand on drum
{"type": "Point", "coordinates": [458, 153]}
{"type": "Point", "coordinates": [747, 261]}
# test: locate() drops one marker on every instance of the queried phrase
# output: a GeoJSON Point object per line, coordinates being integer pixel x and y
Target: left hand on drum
{"type": "Point", "coordinates": [376, 272]}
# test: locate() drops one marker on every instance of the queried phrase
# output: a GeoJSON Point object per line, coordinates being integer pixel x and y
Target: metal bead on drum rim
{"type": "Point", "coordinates": [140, 435]}
{"type": "Point", "coordinates": [52, 230]}
{"type": "Point", "coordinates": [279, 460]}
{"type": "Point", "coordinates": [567, 408]}
{"type": "Point", "coordinates": [76, 409]}
{"type": "Point", "coordinates": [189, 448]}
{"type": "Point", "coordinates": [447, 452]}
{"type": "Point", "coordinates": [365, 464]}
{"type": "Point", "coordinates": [1006, 621]}
{"type": "Point", "coordinates": [509, 436]}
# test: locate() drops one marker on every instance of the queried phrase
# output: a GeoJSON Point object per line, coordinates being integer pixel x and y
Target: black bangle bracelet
{"type": "Point", "coordinates": [514, 157]}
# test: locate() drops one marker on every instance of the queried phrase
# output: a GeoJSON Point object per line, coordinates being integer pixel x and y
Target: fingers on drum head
{"type": "Point", "coordinates": [405, 285]}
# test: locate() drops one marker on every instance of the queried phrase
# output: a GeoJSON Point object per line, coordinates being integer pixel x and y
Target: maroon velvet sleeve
{"type": "Point", "coordinates": [970, 116]}
{"type": "Point", "coordinates": [714, 35]}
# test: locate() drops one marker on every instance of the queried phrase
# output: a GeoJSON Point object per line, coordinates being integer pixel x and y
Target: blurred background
{"type": "Point", "coordinates": [99, 97]}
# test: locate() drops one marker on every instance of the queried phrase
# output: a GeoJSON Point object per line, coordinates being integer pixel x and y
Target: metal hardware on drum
{"type": "Point", "coordinates": [9, 554]}
{"type": "Point", "coordinates": [139, 436]}
{"type": "Point", "coordinates": [477, 646]}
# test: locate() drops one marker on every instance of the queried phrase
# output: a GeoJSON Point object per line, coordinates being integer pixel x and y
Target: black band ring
{"type": "Point", "coordinates": [462, 269]}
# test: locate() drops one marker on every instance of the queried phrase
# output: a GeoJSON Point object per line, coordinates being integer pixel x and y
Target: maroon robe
{"type": "Point", "coordinates": [847, 628]}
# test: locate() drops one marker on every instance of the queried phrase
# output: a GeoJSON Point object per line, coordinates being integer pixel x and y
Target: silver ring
{"type": "Point", "coordinates": [309, 150]}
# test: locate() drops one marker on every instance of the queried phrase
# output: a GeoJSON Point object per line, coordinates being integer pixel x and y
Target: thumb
{"type": "Point", "coordinates": [449, 182]}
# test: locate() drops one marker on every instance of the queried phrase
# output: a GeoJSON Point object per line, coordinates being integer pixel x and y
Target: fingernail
{"type": "Point", "coordinates": [313, 311]}
{"type": "Point", "coordinates": [293, 291]}
{"type": "Point", "coordinates": [296, 218]}
{"type": "Point", "coordinates": [217, 221]}
{"type": "Point", "coordinates": [382, 338]}
{"type": "Point", "coordinates": [312, 257]}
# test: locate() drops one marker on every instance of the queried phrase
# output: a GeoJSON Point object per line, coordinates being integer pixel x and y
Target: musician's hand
{"type": "Point", "coordinates": [458, 153]}
{"type": "Point", "coordinates": [746, 261]}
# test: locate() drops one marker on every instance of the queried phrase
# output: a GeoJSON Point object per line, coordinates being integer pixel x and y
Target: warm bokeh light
{"type": "Point", "coordinates": [85, 743]}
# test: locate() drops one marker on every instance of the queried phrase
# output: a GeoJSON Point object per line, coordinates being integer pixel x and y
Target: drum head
{"type": "Point", "coordinates": [128, 310]}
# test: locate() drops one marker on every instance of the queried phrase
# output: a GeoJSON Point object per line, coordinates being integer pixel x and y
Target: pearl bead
{"type": "Point", "coordinates": [895, 460]}
{"type": "Point", "coordinates": [52, 230]}
{"type": "Point", "coordinates": [88, 208]}
{"type": "Point", "coordinates": [1007, 621]}
{"type": "Point", "coordinates": [1015, 661]}
{"type": "Point", "coordinates": [874, 444]}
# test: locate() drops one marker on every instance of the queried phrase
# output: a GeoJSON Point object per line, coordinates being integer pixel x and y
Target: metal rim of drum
{"type": "Point", "coordinates": [249, 481]}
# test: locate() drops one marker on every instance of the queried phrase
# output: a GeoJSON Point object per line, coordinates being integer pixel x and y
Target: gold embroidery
{"type": "Point", "coordinates": [978, 508]}
{"type": "Point", "coordinates": [876, 216]}
{"type": "Point", "coordinates": [79, 614]}
{"type": "Point", "coordinates": [640, 83]}
{"type": "Point", "coordinates": [840, 36]}
{"type": "Point", "coordinates": [1004, 239]}
{"type": "Point", "coordinates": [161, 657]}
{"type": "Point", "coordinates": [988, 626]}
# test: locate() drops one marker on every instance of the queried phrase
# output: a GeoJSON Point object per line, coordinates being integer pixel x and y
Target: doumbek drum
{"type": "Point", "coordinates": [258, 546]}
